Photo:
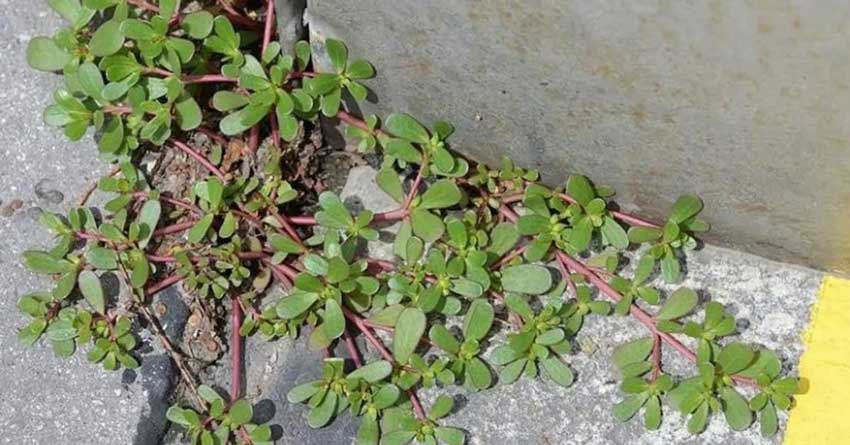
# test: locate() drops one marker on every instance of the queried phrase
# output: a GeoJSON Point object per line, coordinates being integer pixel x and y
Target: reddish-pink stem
{"type": "Point", "coordinates": [267, 32]}
{"type": "Point", "coordinates": [174, 228]}
{"type": "Point", "coordinates": [385, 353]}
{"type": "Point", "coordinates": [656, 356]}
{"type": "Point", "coordinates": [303, 220]}
{"type": "Point", "coordinates": [254, 138]}
{"type": "Point", "coordinates": [302, 74]}
{"type": "Point", "coordinates": [370, 337]}
{"type": "Point", "coordinates": [173, 201]}
{"type": "Point", "coordinates": [236, 348]}
{"type": "Point", "coordinates": [144, 5]}
{"type": "Point", "coordinates": [565, 273]}
{"type": "Point", "coordinates": [200, 158]}
{"type": "Point", "coordinates": [622, 216]}
{"type": "Point", "coordinates": [158, 72]}
{"type": "Point", "coordinates": [278, 274]}
{"type": "Point", "coordinates": [417, 405]}
{"type": "Point", "coordinates": [207, 78]}
{"type": "Point", "coordinates": [274, 129]}
{"type": "Point", "coordinates": [287, 227]}
{"type": "Point", "coordinates": [509, 256]}
{"type": "Point", "coordinates": [393, 215]}
{"type": "Point", "coordinates": [639, 314]}
{"type": "Point", "coordinates": [162, 284]}
{"type": "Point", "coordinates": [353, 351]}
{"type": "Point", "coordinates": [349, 119]}
{"type": "Point", "coordinates": [212, 134]}
{"type": "Point", "coordinates": [247, 255]}
{"type": "Point", "coordinates": [383, 265]}
{"type": "Point", "coordinates": [414, 189]}
{"type": "Point", "coordinates": [117, 109]}
{"type": "Point", "coordinates": [92, 236]}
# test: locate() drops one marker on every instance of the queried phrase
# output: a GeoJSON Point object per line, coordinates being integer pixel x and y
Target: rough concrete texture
{"type": "Point", "coordinates": [743, 103]}
{"type": "Point", "coordinates": [771, 301]}
{"type": "Point", "coordinates": [45, 399]}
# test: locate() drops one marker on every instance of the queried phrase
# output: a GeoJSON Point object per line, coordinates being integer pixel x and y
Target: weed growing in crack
{"type": "Point", "coordinates": [490, 248]}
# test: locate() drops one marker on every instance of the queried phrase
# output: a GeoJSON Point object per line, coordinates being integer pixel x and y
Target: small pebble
{"type": "Point", "coordinates": [52, 196]}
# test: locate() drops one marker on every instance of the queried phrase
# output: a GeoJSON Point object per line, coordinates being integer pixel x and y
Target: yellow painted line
{"type": "Point", "coordinates": [821, 413]}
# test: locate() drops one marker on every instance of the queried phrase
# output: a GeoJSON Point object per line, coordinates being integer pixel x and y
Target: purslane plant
{"type": "Point", "coordinates": [480, 251]}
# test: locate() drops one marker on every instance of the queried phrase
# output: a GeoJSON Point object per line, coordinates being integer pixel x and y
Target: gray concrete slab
{"type": "Point", "coordinates": [741, 103]}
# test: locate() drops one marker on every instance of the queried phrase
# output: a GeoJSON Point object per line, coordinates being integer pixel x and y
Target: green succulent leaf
{"type": "Point", "coordinates": [632, 352]}
{"type": "Point", "coordinates": [92, 290]}
{"type": "Point", "coordinates": [557, 371]}
{"type": "Point", "coordinates": [735, 407]}
{"type": "Point", "coordinates": [373, 372]}
{"type": "Point", "coordinates": [628, 407]}
{"type": "Point", "coordinates": [479, 319]}
{"type": "Point", "coordinates": [389, 182]}
{"type": "Point", "coordinates": [405, 126]}
{"type": "Point", "coordinates": [735, 357]}
{"type": "Point", "coordinates": [44, 54]}
{"type": "Point", "coordinates": [107, 40]}
{"type": "Point", "coordinates": [526, 279]}
{"type": "Point", "coordinates": [409, 329]}
{"type": "Point", "coordinates": [685, 207]}
{"type": "Point", "coordinates": [680, 303]}
{"type": "Point", "coordinates": [443, 193]}
{"type": "Point", "coordinates": [426, 225]}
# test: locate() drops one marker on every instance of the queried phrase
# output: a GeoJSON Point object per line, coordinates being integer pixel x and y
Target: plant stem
{"type": "Point", "coordinates": [509, 256]}
{"type": "Point", "coordinates": [235, 348]}
{"type": "Point", "coordinates": [656, 356]}
{"type": "Point", "coordinates": [173, 201]}
{"type": "Point", "coordinates": [278, 274]}
{"type": "Point", "coordinates": [417, 405]}
{"type": "Point", "coordinates": [565, 273]}
{"type": "Point", "coordinates": [641, 315]}
{"type": "Point", "coordinates": [377, 327]}
{"type": "Point", "coordinates": [627, 218]}
{"type": "Point", "coordinates": [144, 5]}
{"type": "Point", "coordinates": [267, 32]}
{"type": "Point", "coordinates": [84, 197]}
{"type": "Point", "coordinates": [393, 215]}
{"type": "Point", "coordinates": [162, 284]}
{"type": "Point", "coordinates": [274, 130]}
{"type": "Point", "coordinates": [414, 189]}
{"type": "Point", "coordinates": [176, 357]}
{"type": "Point", "coordinates": [349, 119]}
{"type": "Point", "coordinates": [206, 78]}
{"type": "Point", "coordinates": [159, 332]}
{"type": "Point", "coordinates": [254, 138]}
{"type": "Point", "coordinates": [287, 227]}
{"type": "Point", "coordinates": [174, 228]}
{"type": "Point", "coordinates": [212, 134]}
{"type": "Point", "coordinates": [353, 351]}
{"type": "Point", "coordinates": [200, 158]}
{"type": "Point", "coordinates": [385, 353]}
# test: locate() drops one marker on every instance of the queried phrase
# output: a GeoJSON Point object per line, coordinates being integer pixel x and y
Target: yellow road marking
{"type": "Point", "coordinates": [821, 414]}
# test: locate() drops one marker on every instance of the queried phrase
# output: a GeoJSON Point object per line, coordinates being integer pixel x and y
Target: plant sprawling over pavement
{"type": "Point", "coordinates": [479, 250]}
